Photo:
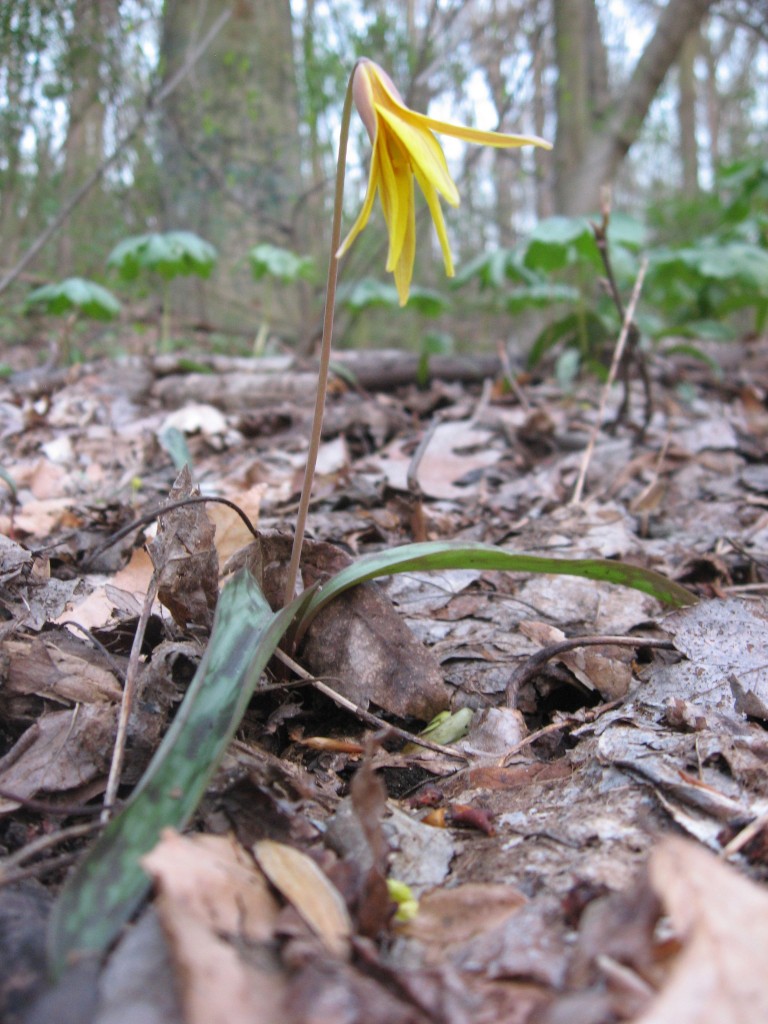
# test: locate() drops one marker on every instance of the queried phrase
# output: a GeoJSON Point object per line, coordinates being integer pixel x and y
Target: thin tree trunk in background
{"type": "Point", "coordinates": [542, 159]}
{"type": "Point", "coordinates": [84, 145]}
{"type": "Point", "coordinates": [574, 121]}
{"type": "Point", "coordinates": [686, 114]}
{"type": "Point", "coordinates": [713, 103]}
{"type": "Point", "coordinates": [13, 127]}
{"type": "Point", "coordinates": [230, 141]}
{"type": "Point", "coordinates": [589, 160]}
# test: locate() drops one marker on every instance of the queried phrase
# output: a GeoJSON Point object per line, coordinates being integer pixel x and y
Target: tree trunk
{"type": "Point", "coordinates": [594, 147]}
{"type": "Point", "coordinates": [686, 114]}
{"type": "Point", "coordinates": [84, 145]}
{"type": "Point", "coordinates": [230, 138]}
{"type": "Point", "coordinates": [574, 119]}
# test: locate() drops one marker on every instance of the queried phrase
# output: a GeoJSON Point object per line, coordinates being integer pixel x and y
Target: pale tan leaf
{"type": "Point", "coordinates": [61, 751]}
{"type": "Point", "coordinates": [219, 915]}
{"type": "Point", "coordinates": [721, 919]}
{"type": "Point", "coordinates": [304, 885]}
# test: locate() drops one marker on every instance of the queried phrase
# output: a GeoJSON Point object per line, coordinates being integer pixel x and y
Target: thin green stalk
{"type": "Point", "coordinates": [165, 317]}
{"type": "Point", "coordinates": [325, 349]}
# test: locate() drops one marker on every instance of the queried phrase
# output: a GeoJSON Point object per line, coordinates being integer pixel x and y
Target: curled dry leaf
{"type": "Point", "coordinates": [721, 919]}
{"type": "Point", "coordinates": [185, 558]}
{"type": "Point", "coordinates": [61, 751]}
{"type": "Point", "coordinates": [303, 884]}
{"type": "Point", "coordinates": [213, 903]}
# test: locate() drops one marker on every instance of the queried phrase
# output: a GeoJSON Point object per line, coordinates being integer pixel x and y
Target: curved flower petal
{"type": "Point", "coordinates": [438, 220]}
{"type": "Point", "coordinates": [404, 268]}
{"type": "Point", "coordinates": [404, 148]}
{"type": "Point", "coordinates": [425, 151]}
{"type": "Point", "coordinates": [475, 135]}
{"type": "Point", "coordinates": [365, 212]}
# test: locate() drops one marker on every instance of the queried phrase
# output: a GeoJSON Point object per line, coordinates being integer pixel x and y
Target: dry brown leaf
{"type": "Point", "coordinates": [449, 918]}
{"type": "Point", "coordinates": [593, 667]}
{"type": "Point", "coordinates": [97, 608]}
{"type": "Point", "coordinates": [185, 558]}
{"type": "Point", "coordinates": [359, 640]}
{"type": "Point", "coordinates": [231, 532]}
{"type": "Point", "coordinates": [306, 887]}
{"type": "Point", "coordinates": [219, 915]}
{"type": "Point", "coordinates": [721, 919]}
{"type": "Point", "coordinates": [61, 751]}
{"type": "Point", "coordinates": [456, 449]}
{"type": "Point", "coordinates": [42, 668]}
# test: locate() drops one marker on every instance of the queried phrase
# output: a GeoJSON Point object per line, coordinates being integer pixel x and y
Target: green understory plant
{"type": "Point", "coordinates": [108, 884]}
{"type": "Point", "coordinates": [707, 275]}
{"type": "Point", "coordinates": [273, 263]}
{"type": "Point", "coordinates": [169, 255]}
{"type": "Point", "coordinates": [74, 298]}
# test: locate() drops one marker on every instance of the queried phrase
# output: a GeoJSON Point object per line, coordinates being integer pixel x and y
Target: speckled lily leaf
{"type": "Point", "coordinates": [458, 555]}
{"type": "Point", "coordinates": [109, 884]}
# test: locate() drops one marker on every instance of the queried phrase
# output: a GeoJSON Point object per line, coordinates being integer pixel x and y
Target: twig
{"type": "Point", "coordinates": [510, 376]}
{"type": "Point", "coordinates": [126, 705]}
{"type": "Point", "coordinates": [615, 362]}
{"type": "Point", "coordinates": [153, 100]}
{"type": "Point", "coordinates": [634, 355]}
{"type": "Point", "coordinates": [361, 713]}
{"type": "Point", "coordinates": [43, 807]}
{"type": "Point", "coordinates": [533, 664]}
{"type": "Point", "coordinates": [99, 646]}
{"type": "Point", "coordinates": [743, 837]}
{"type": "Point", "coordinates": [548, 729]}
{"type": "Point", "coordinates": [149, 517]}
{"type": "Point", "coordinates": [40, 845]}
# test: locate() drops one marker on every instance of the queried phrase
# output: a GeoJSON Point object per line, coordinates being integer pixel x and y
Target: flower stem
{"type": "Point", "coordinates": [325, 349]}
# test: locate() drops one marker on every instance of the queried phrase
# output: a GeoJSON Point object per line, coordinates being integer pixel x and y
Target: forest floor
{"type": "Point", "coordinates": [596, 850]}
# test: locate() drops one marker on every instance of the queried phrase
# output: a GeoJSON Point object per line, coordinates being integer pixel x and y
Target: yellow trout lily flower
{"type": "Point", "coordinates": [404, 148]}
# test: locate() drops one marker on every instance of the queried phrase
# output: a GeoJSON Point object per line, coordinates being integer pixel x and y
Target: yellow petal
{"type": "Point", "coordinates": [498, 139]}
{"type": "Point", "coordinates": [365, 212]}
{"type": "Point", "coordinates": [404, 270]}
{"type": "Point", "coordinates": [437, 218]}
{"type": "Point", "coordinates": [395, 191]}
{"type": "Point", "coordinates": [482, 138]}
{"type": "Point", "coordinates": [424, 151]}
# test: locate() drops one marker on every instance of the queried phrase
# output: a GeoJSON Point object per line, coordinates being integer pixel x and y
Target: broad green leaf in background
{"type": "Point", "coordinates": [558, 241]}
{"type": "Point", "coordinates": [108, 885]}
{"type": "Point", "coordinates": [370, 293]}
{"type": "Point", "coordinates": [171, 254]}
{"type": "Point", "coordinates": [75, 294]}
{"type": "Point", "coordinates": [627, 231]}
{"type": "Point", "coordinates": [537, 296]}
{"type": "Point", "coordinates": [273, 261]}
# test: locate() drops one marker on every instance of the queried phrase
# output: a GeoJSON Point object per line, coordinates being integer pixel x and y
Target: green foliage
{"type": "Point", "coordinates": [287, 267]}
{"type": "Point", "coordinates": [74, 295]}
{"type": "Point", "coordinates": [172, 254]}
{"type": "Point", "coordinates": [707, 271]}
{"type": "Point", "coordinates": [370, 293]}
{"type": "Point", "coordinates": [169, 255]}
{"type": "Point", "coordinates": [109, 884]}
{"type": "Point", "coordinates": [433, 343]}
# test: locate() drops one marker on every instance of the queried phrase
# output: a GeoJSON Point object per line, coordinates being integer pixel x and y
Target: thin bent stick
{"type": "Point", "coordinates": [617, 354]}
{"type": "Point", "coordinates": [126, 705]}
{"type": "Point", "coordinates": [325, 349]}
